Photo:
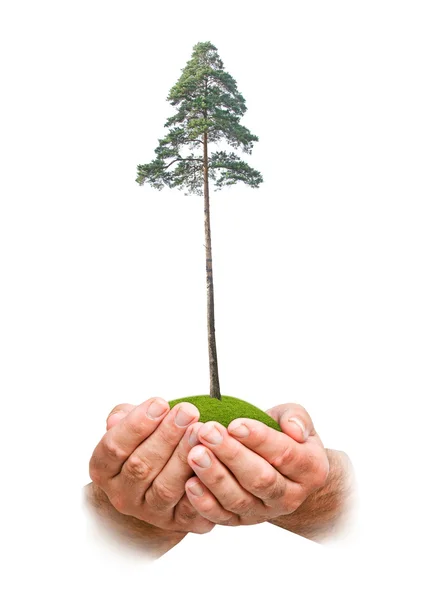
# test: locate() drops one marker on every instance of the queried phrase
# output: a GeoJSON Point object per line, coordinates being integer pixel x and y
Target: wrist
{"type": "Point", "coordinates": [131, 532]}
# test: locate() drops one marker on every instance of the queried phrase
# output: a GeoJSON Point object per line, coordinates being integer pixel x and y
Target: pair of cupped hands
{"type": "Point", "coordinates": [164, 467]}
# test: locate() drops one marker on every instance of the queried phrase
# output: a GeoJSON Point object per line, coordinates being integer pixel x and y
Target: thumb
{"type": "Point", "coordinates": [117, 414]}
{"type": "Point", "coordinates": [293, 420]}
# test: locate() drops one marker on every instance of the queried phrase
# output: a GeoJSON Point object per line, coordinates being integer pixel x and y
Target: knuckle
{"type": "Point", "coordinates": [306, 465]}
{"type": "Point", "coordinates": [119, 502]}
{"type": "Point", "coordinates": [186, 515]}
{"type": "Point", "coordinates": [234, 452]}
{"type": "Point", "coordinates": [285, 458]}
{"type": "Point", "coordinates": [240, 506]}
{"type": "Point", "coordinates": [137, 427]}
{"type": "Point", "coordinates": [264, 482]}
{"type": "Point", "coordinates": [217, 479]}
{"type": "Point", "coordinates": [94, 472]}
{"type": "Point", "coordinates": [160, 495]}
{"type": "Point", "coordinates": [96, 477]}
{"type": "Point", "coordinates": [168, 435]}
{"type": "Point", "coordinates": [112, 450]}
{"type": "Point", "coordinates": [260, 435]}
{"type": "Point", "coordinates": [277, 490]}
{"type": "Point", "coordinates": [137, 468]}
{"type": "Point", "coordinates": [154, 456]}
{"type": "Point", "coordinates": [314, 470]}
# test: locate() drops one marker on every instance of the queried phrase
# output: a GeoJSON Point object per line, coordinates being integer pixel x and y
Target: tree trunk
{"type": "Point", "coordinates": [212, 353]}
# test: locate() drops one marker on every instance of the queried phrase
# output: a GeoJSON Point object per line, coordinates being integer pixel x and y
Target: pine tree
{"type": "Point", "coordinates": [209, 110]}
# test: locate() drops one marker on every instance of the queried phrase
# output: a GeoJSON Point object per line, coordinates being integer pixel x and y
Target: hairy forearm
{"type": "Point", "coordinates": [326, 512]}
{"type": "Point", "coordinates": [129, 531]}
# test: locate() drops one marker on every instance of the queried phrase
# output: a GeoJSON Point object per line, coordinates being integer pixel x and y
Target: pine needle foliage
{"type": "Point", "coordinates": [207, 101]}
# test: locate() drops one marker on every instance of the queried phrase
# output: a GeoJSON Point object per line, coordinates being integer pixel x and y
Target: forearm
{"type": "Point", "coordinates": [129, 531]}
{"type": "Point", "coordinates": [326, 512]}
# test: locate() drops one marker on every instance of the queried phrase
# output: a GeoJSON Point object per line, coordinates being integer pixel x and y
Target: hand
{"type": "Point", "coordinates": [141, 464]}
{"type": "Point", "coordinates": [252, 473]}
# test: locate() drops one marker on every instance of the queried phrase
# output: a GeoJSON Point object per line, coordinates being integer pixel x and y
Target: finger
{"type": "Point", "coordinates": [167, 489]}
{"type": "Point", "coordinates": [187, 518]}
{"type": "Point", "coordinates": [293, 420]}
{"type": "Point", "coordinates": [280, 450]}
{"type": "Point", "coordinates": [223, 486]}
{"type": "Point", "coordinates": [291, 459]}
{"type": "Point", "coordinates": [148, 459]}
{"type": "Point", "coordinates": [121, 440]}
{"type": "Point", "coordinates": [118, 413]}
{"type": "Point", "coordinates": [207, 505]}
{"type": "Point", "coordinates": [253, 473]}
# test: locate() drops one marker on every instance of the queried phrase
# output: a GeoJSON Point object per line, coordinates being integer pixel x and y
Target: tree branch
{"type": "Point", "coordinates": [177, 159]}
{"type": "Point", "coordinates": [171, 163]}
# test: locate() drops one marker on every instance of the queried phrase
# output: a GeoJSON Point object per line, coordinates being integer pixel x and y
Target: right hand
{"type": "Point", "coordinates": [141, 463]}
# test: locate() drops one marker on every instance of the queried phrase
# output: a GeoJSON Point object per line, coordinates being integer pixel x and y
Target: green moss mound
{"type": "Point", "coordinates": [226, 410]}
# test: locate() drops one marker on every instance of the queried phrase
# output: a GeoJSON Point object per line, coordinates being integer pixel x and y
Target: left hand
{"type": "Point", "coordinates": [255, 473]}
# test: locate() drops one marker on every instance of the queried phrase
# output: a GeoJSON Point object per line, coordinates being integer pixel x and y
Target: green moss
{"type": "Point", "coordinates": [226, 410]}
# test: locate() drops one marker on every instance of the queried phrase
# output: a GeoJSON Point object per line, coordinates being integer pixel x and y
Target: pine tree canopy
{"type": "Point", "coordinates": [209, 108]}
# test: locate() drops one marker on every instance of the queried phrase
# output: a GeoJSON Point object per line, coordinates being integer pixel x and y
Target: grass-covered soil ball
{"type": "Point", "coordinates": [226, 410]}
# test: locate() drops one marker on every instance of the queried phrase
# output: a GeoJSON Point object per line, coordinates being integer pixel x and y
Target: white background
{"type": "Point", "coordinates": [324, 276]}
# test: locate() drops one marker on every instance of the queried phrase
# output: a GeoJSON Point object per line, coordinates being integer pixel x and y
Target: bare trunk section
{"type": "Point", "coordinates": [212, 352]}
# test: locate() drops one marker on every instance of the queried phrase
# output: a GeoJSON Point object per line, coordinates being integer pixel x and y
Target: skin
{"type": "Point", "coordinates": [141, 464]}
{"type": "Point", "coordinates": [156, 478]}
{"type": "Point", "coordinates": [255, 473]}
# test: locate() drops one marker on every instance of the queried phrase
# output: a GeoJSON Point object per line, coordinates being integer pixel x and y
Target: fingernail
{"type": "Point", "coordinates": [156, 409]}
{"type": "Point", "coordinates": [210, 433]}
{"type": "Point", "coordinates": [201, 458]}
{"type": "Point", "coordinates": [193, 438]}
{"type": "Point", "coordinates": [184, 416]}
{"type": "Point", "coordinates": [301, 426]}
{"type": "Point", "coordinates": [240, 431]}
{"type": "Point", "coordinates": [196, 489]}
